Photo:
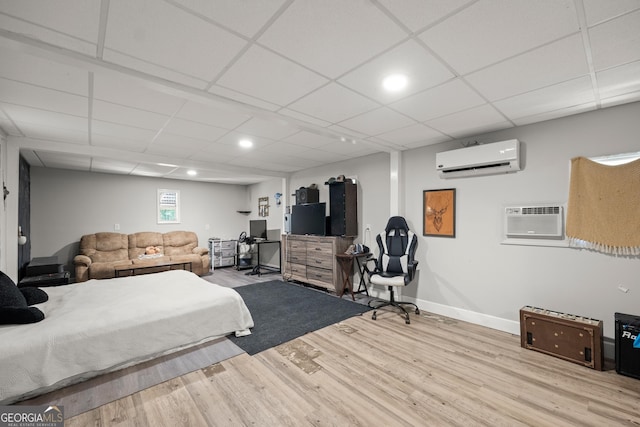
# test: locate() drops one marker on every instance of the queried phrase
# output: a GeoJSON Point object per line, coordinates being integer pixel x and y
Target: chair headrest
{"type": "Point", "coordinates": [396, 223]}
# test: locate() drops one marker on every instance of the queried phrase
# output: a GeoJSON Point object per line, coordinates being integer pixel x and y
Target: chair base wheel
{"type": "Point", "coordinates": [374, 317]}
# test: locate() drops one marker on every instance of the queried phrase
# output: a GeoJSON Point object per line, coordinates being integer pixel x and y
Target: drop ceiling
{"type": "Point", "coordinates": [155, 88]}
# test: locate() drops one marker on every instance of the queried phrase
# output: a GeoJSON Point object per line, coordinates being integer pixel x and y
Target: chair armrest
{"type": "Point", "coordinates": [411, 269]}
{"type": "Point", "coordinates": [82, 260]}
{"type": "Point", "coordinates": [200, 251]}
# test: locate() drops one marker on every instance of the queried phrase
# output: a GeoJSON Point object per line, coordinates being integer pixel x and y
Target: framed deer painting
{"type": "Point", "coordinates": [439, 208]}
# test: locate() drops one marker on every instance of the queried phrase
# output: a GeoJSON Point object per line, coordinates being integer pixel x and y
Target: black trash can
{"type": "Point", "coordinates": [627, 357]}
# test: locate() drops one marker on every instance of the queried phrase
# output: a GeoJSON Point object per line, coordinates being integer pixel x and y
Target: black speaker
{"type": "Point", "coordinates": [307, 195]}
{"type": "Point", "coordinates": [343, 198]}
{"type": "Point", "coordinates": [627, 357]}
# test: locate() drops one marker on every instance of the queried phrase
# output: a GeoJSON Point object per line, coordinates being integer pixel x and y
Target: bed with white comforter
{"type": "Point", "coordinates": [102, 325]}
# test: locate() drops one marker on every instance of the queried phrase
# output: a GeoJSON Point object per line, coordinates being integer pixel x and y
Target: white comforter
{"type": "Point", "coordinates": [99, 325]}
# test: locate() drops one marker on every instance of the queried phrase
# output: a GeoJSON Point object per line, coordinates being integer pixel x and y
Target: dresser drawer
{"type": "Point", "coordinates": [225, 253]}
{"type": "Point", "coordinates": [297, 255]}
{"type": "Point", "coordinates": [320, 259]}
{"type": "Point", "coordinates": [321, 276]}
{"type": "Point", "coordinates": [293, 245]}
{"type": "Point", "coordinates": [319, 247]}
{"type": "Point", "coordinates": [299, 270]}
{"type": "Point", "coordinates": [224, 245]}
{"type": "Point", "coordinates": [224, 262]}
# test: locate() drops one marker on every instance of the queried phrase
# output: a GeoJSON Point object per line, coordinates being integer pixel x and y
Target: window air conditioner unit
{"type": "Point", "coordinates": [486, 159]}
{"type": "Point", "coordinates": [534, 221]}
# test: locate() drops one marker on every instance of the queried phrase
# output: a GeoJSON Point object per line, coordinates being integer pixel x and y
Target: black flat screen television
{"type": "Point", "coordinates": [258, 228]}
{"type": "Point", "coordinates": [309, 218]}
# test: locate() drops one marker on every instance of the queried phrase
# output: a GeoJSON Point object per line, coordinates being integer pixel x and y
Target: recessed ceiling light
{"type": "Point", "coordinates": [169, 165]}
{"type": "Point", "coordinates": [245, 143]}
{"type": "Point", "coordinates": [395, 82]}
{"type": "Point", "coordinates": [191, 172]}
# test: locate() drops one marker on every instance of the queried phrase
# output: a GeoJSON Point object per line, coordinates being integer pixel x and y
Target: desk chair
{"type": "Point", "coordinates": [395, 265]}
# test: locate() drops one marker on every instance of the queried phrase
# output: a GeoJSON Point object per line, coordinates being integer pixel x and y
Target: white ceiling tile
{"type": "Point", "coordinates": [191, 129]}
{"type": "Point", "coordinates": [49, 119]}
{"type": "Point", "coordinates": [562, 60]}
{"type": "Point", "coordinates": [244, 17]}
{"type": "Point", "coordinates": [442, 100]}
{"type": "Point", "coordinates": [46, 99]}
{"type": "Point", "coordinates": [165, 35]}
{"type": "Point", "coordinates": [240, 98]}
{"type": "Point", "coordinates": [377, 121]}
{"type": "Point", "coordinates": [268, 76]}
{"type": "Point", "coordinates": [108, 112]}
{"type": "Point", "coordinates": [25, 68]}
{"type": "Point", "coordinates": [216, 153]}
{"type": "Point", "coordinates": [53, 133]}
{"type": "Point", "coordinates": [322, 156]}
{"type": "Point", "coordinates": [597, 10]}
{"type": "Point", "coordinates": [150, 169]}
{"type": "Point", "coordinates": [112, 135]}
{"type": "Point", "coordinates": [507, 28]}
{"type": "Point", "coordinates": [412, 134]}
{"type": "Point", "coordinates": [213, 116]}
{"type": "Point", "coordinates": [621, 99]}
{"type": "Point", "coordinates": [422, 69]}
{"type": "Point", "coordinates": [8, 127]}
{"type": "Point", "coordinates": [303, 117]}
{"type": "Point", "coordinates": [64, 160]}
{"type": "Point", "coordinates": [271, 129]}
{"type": "Point", "coordinates": [619, 80]}
{"type": "Point", "coordinates": [470, 122]}
{"type": "Point", "coordinates": [417, 14]}
{"type": "Point", "coordinates": [123, 90]}
{"type": "Point", "coordinates": [333, 103]}
{"type": "Point", "coordinates": [549, 115]}
{"type": "Point", "coordinates": [339, 34]}
{"type": "Point", "coordinates": [140, 65]}
{"type": "Point", "coordinates": [561, 96]}
{"type": "Point", "coordinates": [347, 133]}
{"type": "Point", "coordinates": [112, 166]}
{"type": "Point", "coordinates": [286, 148]}
{"type": "Point", "coordinates": [309, 140]}
{"type": "Point", "coordinates": [231, 139]}
{"type": "Point", "coordinates": [179, 147]}
{"type": "Point", "coordinates": [72, 24]}
{"type": "Point", "coordinates": [616, 42]}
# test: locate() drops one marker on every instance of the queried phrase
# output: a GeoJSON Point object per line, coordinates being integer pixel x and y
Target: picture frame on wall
{"type": "Point", "coordinates": [439, 213]}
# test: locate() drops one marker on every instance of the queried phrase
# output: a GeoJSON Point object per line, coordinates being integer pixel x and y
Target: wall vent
{"type": "Point", "coordinates": [543, 221]}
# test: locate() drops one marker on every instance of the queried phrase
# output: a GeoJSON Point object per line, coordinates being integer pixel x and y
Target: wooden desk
{"type": "Point", "coordinates": [346, 261]}
{"type": "Point", "coordinates": [135, 269]}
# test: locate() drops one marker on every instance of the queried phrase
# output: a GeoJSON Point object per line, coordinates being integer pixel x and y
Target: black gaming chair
{"type": "Point", "coordinates": [395, 265]}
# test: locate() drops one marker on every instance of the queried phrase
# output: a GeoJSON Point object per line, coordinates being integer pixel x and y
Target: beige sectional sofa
{"type": "Point", "coordinates": [101, 253]}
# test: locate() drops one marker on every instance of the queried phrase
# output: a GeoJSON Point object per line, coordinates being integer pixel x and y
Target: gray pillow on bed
{"type": "Point", "coordinates": [14, 302]}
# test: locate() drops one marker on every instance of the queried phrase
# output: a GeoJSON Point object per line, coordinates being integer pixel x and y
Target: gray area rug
{"type": "Point", "coordinates": [284, 311]}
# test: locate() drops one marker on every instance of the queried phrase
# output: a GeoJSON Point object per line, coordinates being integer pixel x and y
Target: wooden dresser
{"type": "Point", "coordinates": [312, 259]}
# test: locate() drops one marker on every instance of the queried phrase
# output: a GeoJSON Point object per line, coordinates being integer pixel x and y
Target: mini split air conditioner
{"type": "Point", "coordinates": [486, 159]}
{"type": "Point", "coordinates": [534, 221]}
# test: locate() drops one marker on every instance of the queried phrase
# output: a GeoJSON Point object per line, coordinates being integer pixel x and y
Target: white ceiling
{"type": "Point", "coordinates": [154, 88]}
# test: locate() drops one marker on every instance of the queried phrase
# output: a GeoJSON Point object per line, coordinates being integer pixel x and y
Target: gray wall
{"type": "Point", "coordinates": [68, 204]}
{"type": "Point", "coordinates": [473, 276]}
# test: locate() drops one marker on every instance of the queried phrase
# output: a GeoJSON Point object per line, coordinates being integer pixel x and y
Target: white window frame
{"type": "Point", "coordinates": [168, 203]}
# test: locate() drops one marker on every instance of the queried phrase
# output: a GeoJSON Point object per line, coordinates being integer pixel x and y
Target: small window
{"type": "Point", "coordinates": [168, 206]}
{"type": "Point", "coordinates": [616, 159]}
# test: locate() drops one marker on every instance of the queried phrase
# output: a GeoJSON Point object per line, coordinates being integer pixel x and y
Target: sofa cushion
{"type": "Point", "coordinates": [138, 243]}
{"type": "Point", "coordinates": [105, 247]}
{"type": "Point", "coordinates": [179, 242]}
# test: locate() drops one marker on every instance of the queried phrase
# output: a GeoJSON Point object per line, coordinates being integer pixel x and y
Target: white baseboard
{"type": "Point", "coordinates": [493, 322]}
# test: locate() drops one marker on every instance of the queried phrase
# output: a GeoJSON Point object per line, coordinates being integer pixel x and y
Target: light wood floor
{"type": "Point", "coordinates": [434, 372]}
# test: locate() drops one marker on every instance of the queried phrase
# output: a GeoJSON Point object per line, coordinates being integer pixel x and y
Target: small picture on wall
{"type": "Point", "coordinates": [439, 209]}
